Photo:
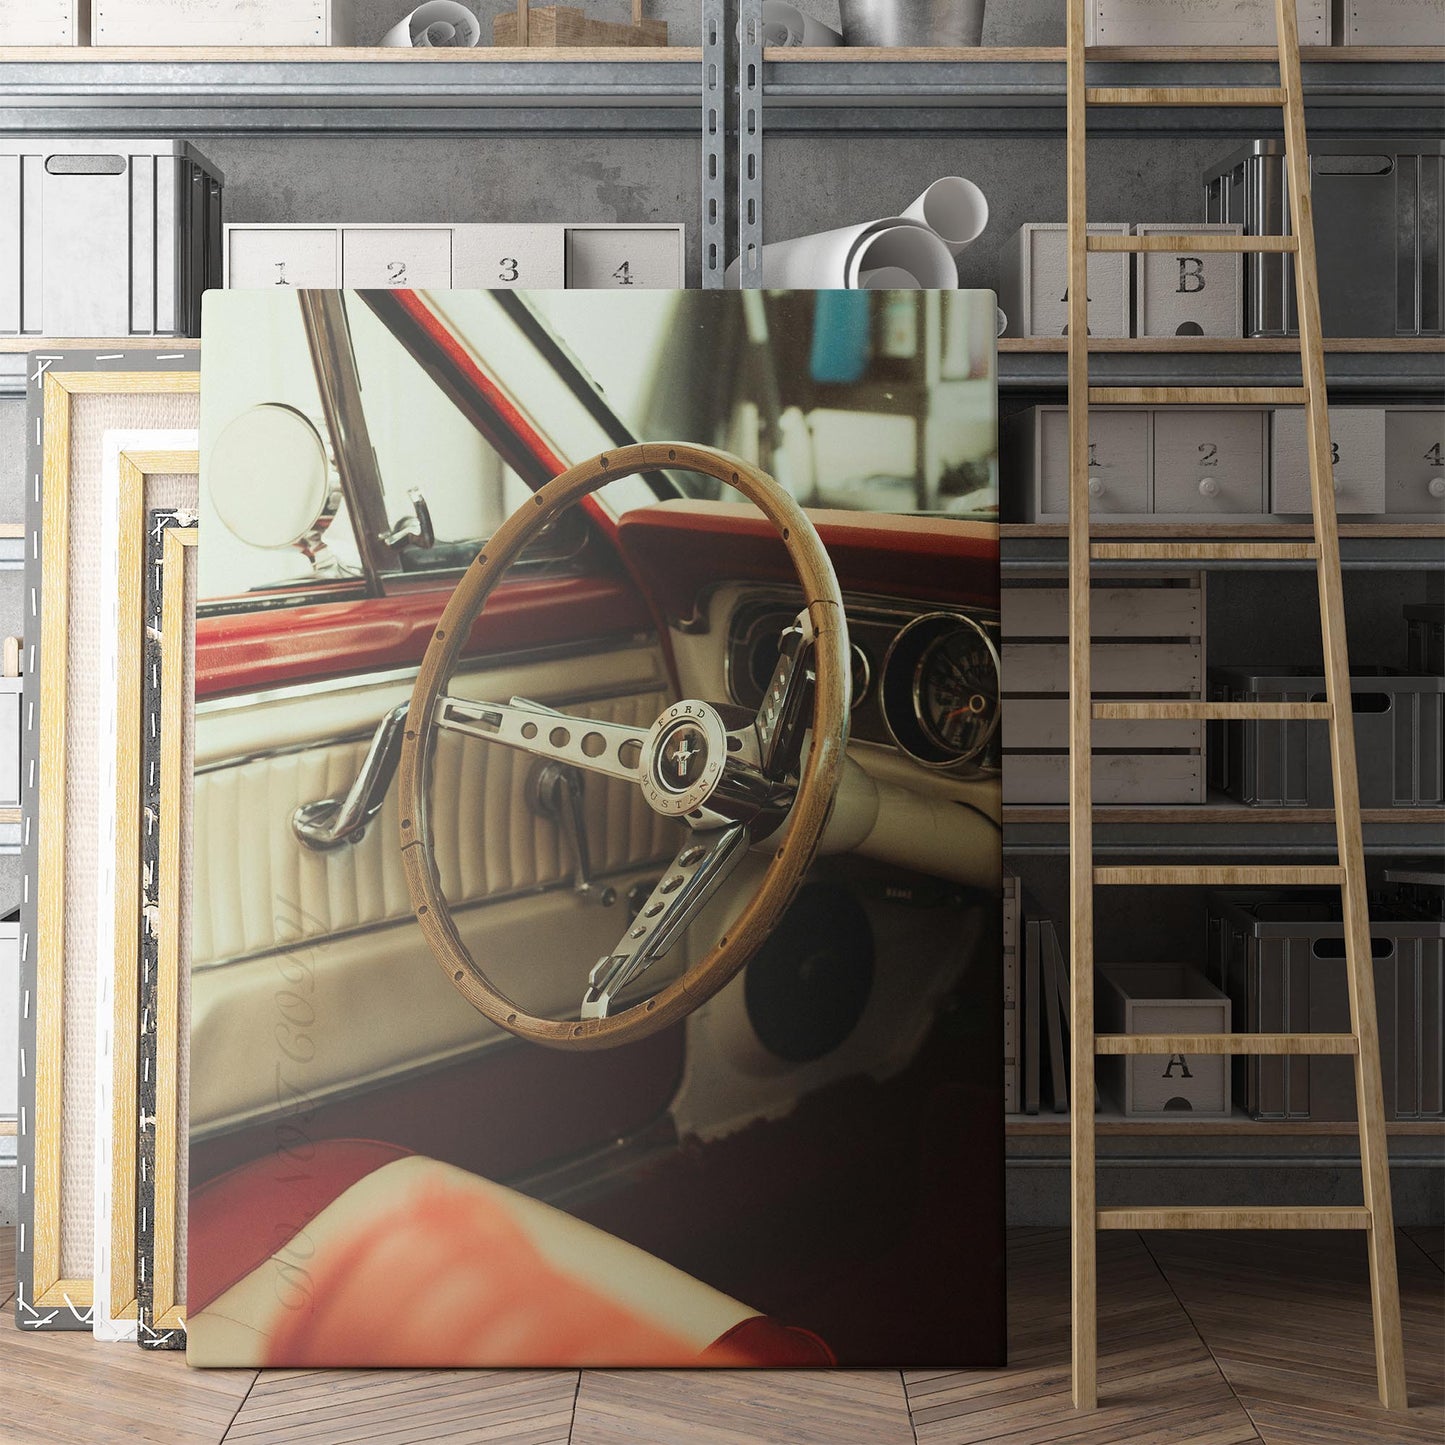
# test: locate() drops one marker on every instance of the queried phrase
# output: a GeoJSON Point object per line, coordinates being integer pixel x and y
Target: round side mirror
{"type": "Point", "coordinates": [272, 480]}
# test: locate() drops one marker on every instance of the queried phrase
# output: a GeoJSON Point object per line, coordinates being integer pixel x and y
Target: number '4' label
{"type": "Point", "coordinates": [623, 274]}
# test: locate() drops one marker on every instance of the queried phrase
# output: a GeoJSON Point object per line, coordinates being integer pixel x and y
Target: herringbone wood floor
{"type": "Point", "coordinates": [1205, 1340]}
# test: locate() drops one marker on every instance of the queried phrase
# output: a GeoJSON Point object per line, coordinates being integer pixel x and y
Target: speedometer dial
{"type": "Point", "coordinates": [941, 689]}
{"type": "Point", "coordinates": [955, 691]}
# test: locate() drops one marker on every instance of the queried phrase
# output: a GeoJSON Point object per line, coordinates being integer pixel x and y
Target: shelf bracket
{"type": "Point", "coordinates": [750, 143]}
{"type": "Point", "coordinates": [714, 142]}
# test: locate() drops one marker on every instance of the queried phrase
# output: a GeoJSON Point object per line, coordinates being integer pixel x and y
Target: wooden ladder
{"type": "Point", "coordinates": [1348, 874]}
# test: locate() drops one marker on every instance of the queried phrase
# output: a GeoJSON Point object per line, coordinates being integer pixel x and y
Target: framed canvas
{"type": "Point", "coordinates": [141, 471]}
{"type": "Point", "coordinates": [595, 938]}
{"type": "Point", "coordinates": [162, 928]}
{"type": "Point", "coordinates": [75, 398]}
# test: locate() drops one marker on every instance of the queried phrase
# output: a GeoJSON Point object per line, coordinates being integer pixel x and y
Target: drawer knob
{"type": "Point", "coordinates": [1096, 486]}
{"type": "Point", "coordinates": [1208, 487]}
{"type": "Point", "coordinates": [1436, 487]}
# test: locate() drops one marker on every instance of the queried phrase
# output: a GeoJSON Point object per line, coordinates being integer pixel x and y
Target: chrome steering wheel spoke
{"type": "Point", "coordinates": [612, 749]}
{"type": "Point", "coordinates": [783, 713]}
{"type": "Point", "coordinates": [691, 880]}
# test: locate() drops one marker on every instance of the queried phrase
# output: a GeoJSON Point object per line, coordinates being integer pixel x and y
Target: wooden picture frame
{"type": "Point", "coordinates": [143, 471]}
{"type": "Point", "coordinates": [162, 939]}
{"type": "Point", "coordinates": [74, 397]}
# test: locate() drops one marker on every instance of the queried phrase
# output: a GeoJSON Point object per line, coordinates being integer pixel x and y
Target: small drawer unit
{"type": "Point", "coordinates": [1357, 456]}
{"type": "Point", "coordinates": [1399, 739]}
{"type": "Point", "coordinates": [1415, 460]}
{"type": "Point", "coordinates": [1034, 282]}
{"type": "Point", "coordinates": [1389, 22]}
{"type": "Point", "coordinates": [1425, 637]}
{"type": "Point", "coordinates": [264, 257]}
{"type": "Point", "coordinates": [221, 22]}
{"type": "Point", "coordinates": [1148, 643]}
{"type": "Point", "coordinates": [378, 258]}
{"type": "Point", "coordinates": [645, 258]}
{"type": "Point", "coordinates": [1209, 462]}
{"type": "Point", "coordinates": [1281, 960]}
{"type": "Point", "coordinates": [106, 237]}
{"type": "Point", "coordinates": [1189, 293]}
{"type": "Point", "coordinates": [1152, 998]}
{"type": "Point", "coordinates": [1377, 219]}
{"type": "Point", "coordinates": [1036, 456]}
{"type": "Point", "coordinates": [43, 22]}
{"type": "Point", "coordinates": [509, 258]}
{"type": "Point", "coordinates": [1201, 22]}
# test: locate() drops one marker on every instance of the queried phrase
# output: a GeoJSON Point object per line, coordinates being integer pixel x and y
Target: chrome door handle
{"type": "Point", "coordinates": [335, 822]}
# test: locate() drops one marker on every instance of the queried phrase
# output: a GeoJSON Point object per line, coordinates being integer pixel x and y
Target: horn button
{"type": "Point", "coordinates": [683, 759]}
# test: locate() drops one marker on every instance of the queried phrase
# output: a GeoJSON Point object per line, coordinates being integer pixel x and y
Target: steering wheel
{"type": "Point", "coordinates": [732, 777]}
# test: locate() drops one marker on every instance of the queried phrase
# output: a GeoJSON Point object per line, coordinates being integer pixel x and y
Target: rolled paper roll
{"type": "Point", "coordinates": [954, 209]}
{"type": "Point", "coordinates": [786, 25]}
{"type": "Point", "coordinates": [437, 25]}
{"type": "Point", "coordinates": [888, 278]}
{"type": "Point", "coordinates": [836, 260]}
{"type": "Point", "coordinates": [1002, 320]}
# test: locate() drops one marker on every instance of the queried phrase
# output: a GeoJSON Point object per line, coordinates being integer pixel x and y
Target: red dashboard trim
{"type": "Point", "coordinates": [683, 548]}
{"type": "Point", "coordinates": [254, 650]}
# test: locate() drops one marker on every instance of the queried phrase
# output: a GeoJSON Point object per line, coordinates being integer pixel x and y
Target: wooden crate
{"type": "Point", "coordinates": [1189, 293]}
{"type": "Point", "coordinates": [1148, 638]}
{"type": "Point", "coordinates": [1201, 22]}
{"type": "Point", "coordinates": [1389, 22]}
{"type": "Point", "coordinates": [221, 22]}
{"type": "Point", "coordinates": [553, 26]}
{"type": "Point", "coordinates": [1033, 287]}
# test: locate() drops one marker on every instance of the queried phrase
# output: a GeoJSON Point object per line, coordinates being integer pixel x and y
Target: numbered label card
{"type": "Point", "coordinates": [645, 258]}
{"type": "Point", "coordinates": [402, 258]}
{"type": "Point", "coordinates": [278, 257]}
{"type": "Point", "coordinates": [505, 258]}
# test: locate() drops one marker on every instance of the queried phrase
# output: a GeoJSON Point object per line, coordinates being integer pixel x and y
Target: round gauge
{"type": "Point", "coordinates": [940, 689]}
{"type": "Point", "coordinates": [955, 690]}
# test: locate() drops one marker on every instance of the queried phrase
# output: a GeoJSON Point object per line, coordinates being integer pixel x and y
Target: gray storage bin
{"type": "Point", "coordinates": [1377, 207]}
{"type": "Point", "coordinates": [106, 238]}
{"type": "Point", "coordinates": [1154, 998]}
{"type": "Point", "coordinates": [1398, 739]}
{"type": "Point", "coordinates": [1425, 637]}
{"type": "Point", "coordinates": [1280, 958]}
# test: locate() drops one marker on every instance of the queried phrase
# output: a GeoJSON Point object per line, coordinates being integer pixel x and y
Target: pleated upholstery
{"type": "Point", "coordinates": [257, 888]}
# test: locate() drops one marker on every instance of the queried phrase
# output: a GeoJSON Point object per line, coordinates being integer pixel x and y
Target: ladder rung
{"type": "Point", "coordinates": [1187, 241]}
{"type": "Point", "coordinates": [1198, 395]}
{"type": "Point", "coordinates": [1185, 95]}
{"type": "Point", "coordinates": [1313, 1216]}
{"type": "Point", "coordinates": [1265, 1044]}
{"type": "Point", "coordinates": [1223, 876]}
{"type": "Point", "coordinates": [1211, 711]}
{"type": "Point", "coordinates": [1205, 551]}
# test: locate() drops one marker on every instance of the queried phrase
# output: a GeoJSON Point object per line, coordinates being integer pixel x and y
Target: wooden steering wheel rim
{"type": "Point", "coordinates": [822, 769]}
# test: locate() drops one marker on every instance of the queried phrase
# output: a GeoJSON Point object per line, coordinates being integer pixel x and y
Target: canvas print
{"type": "Point", "coordinates": [595, 912]}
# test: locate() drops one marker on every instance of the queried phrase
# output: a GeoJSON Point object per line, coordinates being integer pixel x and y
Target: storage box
{"type": "Point", "coordinates": [1415, 460]}
{"type": "Point", "coordinates": [1033, 285]}
{"type": "Point", "coordinates": [1184, 293]}
{"type": "Point", "coordinates": [221, 22]}
{"type": "Point", "coordinates": [482, 256]}
{"type": "Point", "coordinates": [1148, 642]}
{"type": "Point", "coordinates": [1357, 449]}
{"type": "Point", "coordinates": [1398, 739]}
{"type": "Point", "coordinates": [1208, 462]}
{"type": "Point", "coordinates": [1035, 459]}
{"type": "Point", "coordinates": [106, 237]}
{"type": "Point", "coordinates": [1377, 217]}
{"type": "Point", "coordinates": [1281, 959]}
{"type": "Point", "coordinates": [1389, 22]}
{"type": "Point", "coordinates": [1425, 637]}
{"type": "Point", "coordinates": [44, 22]}
{"type": "Point", "coordinates": [11, 695]}
{"type": "Point", "coordinates": [1152, 998]}
{"type": "Point", "coordinates": [1200, 22]}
